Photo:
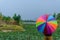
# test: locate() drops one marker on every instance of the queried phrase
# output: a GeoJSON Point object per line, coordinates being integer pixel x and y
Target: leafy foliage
{"type": "Point", "coordinates": [58, 16]}
{"type": "Point", "coordinates": [6, 19]}
{"type": "Point", "coordinates": [54, 15]}
{"type": "Point", "coordinates": [1, 15]}
{"type": "Point", "coordinates": [17, 18]}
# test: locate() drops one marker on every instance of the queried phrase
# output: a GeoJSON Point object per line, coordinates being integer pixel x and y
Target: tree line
{"type": "Point", "coordinates": [16, 18]}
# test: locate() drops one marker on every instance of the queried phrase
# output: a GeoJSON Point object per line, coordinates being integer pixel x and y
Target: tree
{"type": "Point", "coordinates": [17, 18]}
{"type": "Point", "coordinates": [54, 15]}
{"type": "Point", "coordinates": [0, 15]}
{"type": "Point", "coordinates": [6, 19]}
{"type": "Point", "coordinates": [58, 16]}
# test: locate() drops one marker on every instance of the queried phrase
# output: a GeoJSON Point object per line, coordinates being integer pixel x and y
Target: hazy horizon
{"type": "Point", "coordinates": [29, 9]}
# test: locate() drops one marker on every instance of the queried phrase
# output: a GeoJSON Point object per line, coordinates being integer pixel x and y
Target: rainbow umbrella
{"type": "Point", "coordinates": [46, 24]}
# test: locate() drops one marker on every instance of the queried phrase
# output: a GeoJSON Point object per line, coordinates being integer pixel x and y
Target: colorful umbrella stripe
{"type": "Point", "coordinates": [46, 24]}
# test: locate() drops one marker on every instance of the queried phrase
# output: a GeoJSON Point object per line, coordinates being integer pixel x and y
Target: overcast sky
{"type": "Point", "coordinates": [29, 9]}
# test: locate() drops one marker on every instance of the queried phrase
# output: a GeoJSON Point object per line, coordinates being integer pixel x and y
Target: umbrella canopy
{"type": "Point", "coordinates": [46, 24]}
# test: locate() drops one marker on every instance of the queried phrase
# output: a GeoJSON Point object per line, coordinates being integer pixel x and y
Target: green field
{"type": "Point", "coordinates": [30, 33]}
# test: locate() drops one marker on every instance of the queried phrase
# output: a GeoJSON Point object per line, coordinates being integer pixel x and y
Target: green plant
{"type": "Point", "coordinates": [17, 18]}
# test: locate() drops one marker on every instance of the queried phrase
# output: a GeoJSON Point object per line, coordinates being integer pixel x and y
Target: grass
{"type": "Point", "coordinates": [31, 33]}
